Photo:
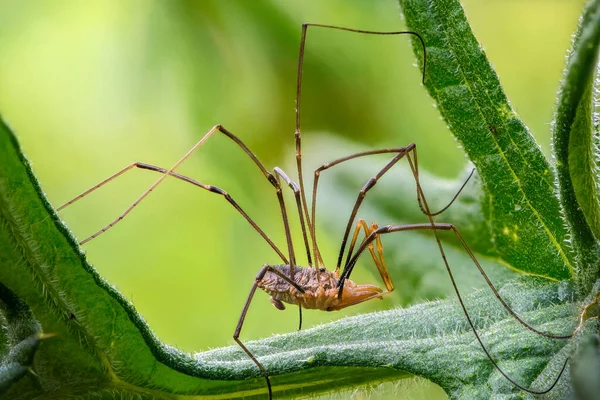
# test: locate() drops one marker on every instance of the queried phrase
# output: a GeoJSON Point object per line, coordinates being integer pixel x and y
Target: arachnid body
{"type": "Point", "coordinates": [320, 288]}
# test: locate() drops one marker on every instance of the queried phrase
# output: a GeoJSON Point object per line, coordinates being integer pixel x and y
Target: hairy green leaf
{"type": "Point", "coordinates": [521, 206]}
{"type": "Point", "coordinates": [574, 145]}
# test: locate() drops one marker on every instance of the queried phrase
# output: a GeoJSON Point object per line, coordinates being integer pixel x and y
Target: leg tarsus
{"type": "Point", "coordinates": [292, 185]}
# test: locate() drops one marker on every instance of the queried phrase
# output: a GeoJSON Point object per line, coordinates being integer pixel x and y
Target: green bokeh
{"type": "Point", "coordinates": [93, 86]}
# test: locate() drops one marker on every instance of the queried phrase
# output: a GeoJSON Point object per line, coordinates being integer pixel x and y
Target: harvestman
{"type": "Point", "coordinates": [313, 286]}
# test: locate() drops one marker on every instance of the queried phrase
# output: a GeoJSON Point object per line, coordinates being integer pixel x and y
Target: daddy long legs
{"type": "Point", "coordinates": [313, 286]}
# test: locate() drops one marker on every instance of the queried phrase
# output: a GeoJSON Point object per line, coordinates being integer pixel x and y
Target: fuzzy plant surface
{"type": "Point", "coordinates": [536, 223]}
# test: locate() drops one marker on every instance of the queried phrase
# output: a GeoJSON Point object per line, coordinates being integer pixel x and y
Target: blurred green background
{"type": "Point", "coordinates": [92, 86]}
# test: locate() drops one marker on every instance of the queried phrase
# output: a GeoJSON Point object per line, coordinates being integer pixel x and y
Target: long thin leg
{"type": "Point", "coordinates": [370, 184]}
{"type": "Point", "coordinates": [361, 196]}
{"type": "Point", "coordinates": [421, 200]}
{"type": "Point", "coordinates": [316, 176]}
{"type": "Point", "coordinates": [238, 328]}
{"type": "Point", "coordinates": [328, 165]}
{"type": "Point", "coordinates": [441, 226]}
{"type": "Point", "coordinates": [296, 191]}
{"type": "Point", "coordinates": [410, 152]}
{"type": "Point", "coordinates": [236, 336]}
{"type": "Point", "coordinates": [214, 129]}
{"type": "Point", "coordinates": [210, 188]}
{"type": "Point", "coordinates": [441, 210]}
{"type": "Point", "coordinates": [98, 185]}
{"type": "Point", "coordinates": [297, 135]}
{"type": "Point", "coordinates": [217, 128]}
{"type": "Point", "coordinates": [286, 227]}
{"type": "Point", "coordinates": [435, 228]}
{"type": "Point", "coordinates": [414, 168]}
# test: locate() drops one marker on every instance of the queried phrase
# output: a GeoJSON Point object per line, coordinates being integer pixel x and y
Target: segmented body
{"type": "Point", "coordinates": [320, 288]}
